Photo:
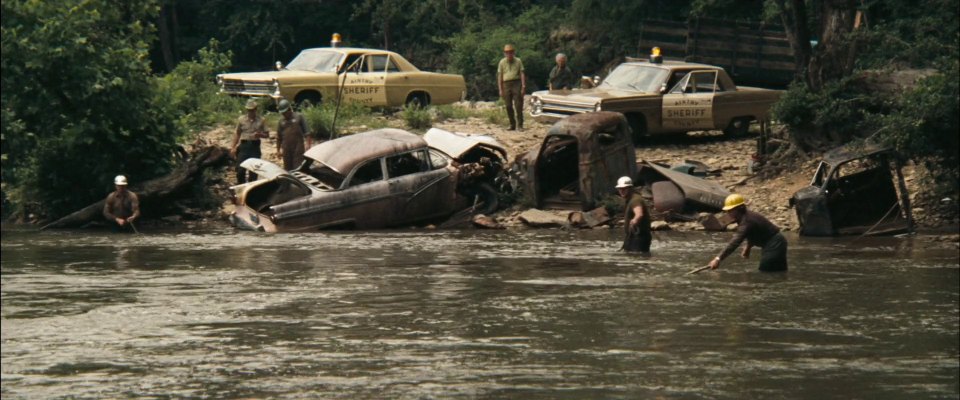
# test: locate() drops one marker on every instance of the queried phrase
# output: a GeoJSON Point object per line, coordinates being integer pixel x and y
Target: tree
{"type": "Point", "coordinates": [78, 101]}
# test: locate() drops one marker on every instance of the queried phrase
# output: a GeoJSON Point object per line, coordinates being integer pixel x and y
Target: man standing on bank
{"type": "Point", "coordinates": [122, 206]}
{"type": "Point", "coordinates": [757, 230]}
{"type": "Point", "coordinates": [291, 132]}
{"type": "Point", "coordinates": [561, 77]}
{"type": "Point", "coordinates": [246, 140]}
{"type": "Point", "coordinates": [512, 82]}
{"type": "Point", "coordinates": [636, 218]}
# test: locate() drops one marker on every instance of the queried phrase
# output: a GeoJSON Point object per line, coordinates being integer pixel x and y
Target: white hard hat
{"type": "Point", "coordinates": [120, 180]}
{"type": "Point", "coordinates": [624, 182]}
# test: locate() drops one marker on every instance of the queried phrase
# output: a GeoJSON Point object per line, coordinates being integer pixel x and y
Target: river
{"type": "Point", "coordinates": [420, 314]}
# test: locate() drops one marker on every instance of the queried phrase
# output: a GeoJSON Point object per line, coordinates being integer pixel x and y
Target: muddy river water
{"type": "Point", "coordinates": [472, 314]}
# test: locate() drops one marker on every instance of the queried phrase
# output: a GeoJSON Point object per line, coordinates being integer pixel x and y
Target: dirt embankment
{"type": "Point", "coordinates": [767, 195]}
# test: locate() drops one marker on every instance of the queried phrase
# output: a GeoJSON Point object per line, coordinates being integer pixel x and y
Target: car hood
{"type": "Point", "coordinates": [456, 144]}
{"type": "Point", "coordinates": [263, 168]}
{"type": "Point", "coordinates": [587, 96]}
{"type": "Point", "coordinates": [271, 75]}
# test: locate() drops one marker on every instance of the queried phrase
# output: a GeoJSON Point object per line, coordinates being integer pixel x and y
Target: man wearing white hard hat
{"type": "Point", "coordinates": [636, 218]}
{"type": "Point", "coordinates": [122, 206]}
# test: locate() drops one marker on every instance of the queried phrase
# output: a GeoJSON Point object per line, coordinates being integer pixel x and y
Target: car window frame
{"type": "Point", "coordinates": [348, 183]}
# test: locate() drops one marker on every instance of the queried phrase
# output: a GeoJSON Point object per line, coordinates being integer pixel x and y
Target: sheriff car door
{"type": "Point", "coordinates": [688, 105]}
{"type": "Point", "coordinates": [365, 82]}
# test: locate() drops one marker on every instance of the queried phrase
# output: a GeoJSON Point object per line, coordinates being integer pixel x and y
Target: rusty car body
{"type": "Point", "coordinates": [579, 161]}
{"type": "Point", "coordinates": [376, 179]}
{"type": "Point", "coordinates": [663, 97]}
{"type": "Point", "coordinates": [677, 193]}
{"type": "Point", "coordinates": [856, 189]}
{"type": "Point", "coordinates": [368, 76]}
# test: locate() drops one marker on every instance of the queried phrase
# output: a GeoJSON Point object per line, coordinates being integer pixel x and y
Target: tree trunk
{"type": "Point", "coordinates": [794, 18]}
{"type": "Point", "coordinates": [165, 39]}
{"type": "Point", "coordinates": [836, 52]}
{"type": "Point", "coordinates": [156, 191]}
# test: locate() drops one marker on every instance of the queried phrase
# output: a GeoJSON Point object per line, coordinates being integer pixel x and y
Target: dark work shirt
{"type": "Point", "coordinates": [753, 227]}
{"type": "Point", "coordinates": [628, 214]}
{"type": "Point", "coordinates": [562, 78]}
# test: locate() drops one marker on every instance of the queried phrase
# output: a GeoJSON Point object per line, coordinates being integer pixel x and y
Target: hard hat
{"type": "Point", "coordinates": [120, 180]}
{"type": "Point", "coordinates": [624, 182]}
{"type": "Point", "coordinates": [251, 104]}
{"type": "Point", "coordinates": [733, 201]}
{"type": "Point", "coordinates": [508, 47]}
{"type": "Point", "coordinates": [283, 106]}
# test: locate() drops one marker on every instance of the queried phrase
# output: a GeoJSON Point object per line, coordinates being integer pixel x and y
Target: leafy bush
{"type": "Point", "coordinates": [476, 51]}
{"type": "Point", "coordinates": [192, 93]}
{"type": "Point", "coordinates": [416, 117]}
{"type": "Point", "coordinates": [352, 115]}
{"type": "Point", "coordinates": [79, 104]}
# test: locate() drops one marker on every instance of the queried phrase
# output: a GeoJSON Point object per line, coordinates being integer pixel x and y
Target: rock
{"type": "Point", "coordinates": [660, 226]}
{"type": "Point", "coordinates": [542, 219]}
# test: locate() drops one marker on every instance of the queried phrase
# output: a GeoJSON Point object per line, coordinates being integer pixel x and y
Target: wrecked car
{"type": "Point", "coordinates": [854, 191]}
{"type": "Point", "coordinates": [678, 193]}
{"type": "Point", "coordinates": [375, 179]}
{"type": "Point", "coordinates": [579, 161]}
{"type": "Point", "coordinates": [659, 97]}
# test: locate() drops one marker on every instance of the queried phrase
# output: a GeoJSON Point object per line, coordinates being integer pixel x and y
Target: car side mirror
{"type": "Point", "coordinates": [279, 65]}
{"type": "Point", "coordinates": [663, 88]}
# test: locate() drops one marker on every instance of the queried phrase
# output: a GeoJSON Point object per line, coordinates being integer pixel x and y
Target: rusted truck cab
{"type": "Point", "coordinates": [856, 190]}
{"type": "Point", "coordinates": [579, 161]}
{"type": "Point", "coordinates": [663, 97]}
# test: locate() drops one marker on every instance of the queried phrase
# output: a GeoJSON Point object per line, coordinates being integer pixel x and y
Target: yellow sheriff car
{"type": "Point", "coordinates": [368, 76]}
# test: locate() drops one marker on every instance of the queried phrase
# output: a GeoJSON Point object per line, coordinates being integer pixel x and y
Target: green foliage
{"type": "Point", "coordinates": [417, 118]}
{"type": "Point", "coordinates": [79, 105]}
{"type": "Point", "coordinates": [190, 91]}
{"type": "Point", "coordinates": [353, 117]}
{"type": "Point", "coordinates": [476, 51]}
{"type": "Point", "coordinates": [925, 124]}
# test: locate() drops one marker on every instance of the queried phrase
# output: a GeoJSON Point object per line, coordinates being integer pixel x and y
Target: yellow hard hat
{"type": "Point", "coordinates": [733, 201]}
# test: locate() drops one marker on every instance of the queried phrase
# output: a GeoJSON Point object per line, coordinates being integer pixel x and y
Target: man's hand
{"type": "Point", "coordinates": [120, 221]}
{"type": "Point", "coordinates": [233, 152]}
{"type": "Point", "coordinates": [714, 263]}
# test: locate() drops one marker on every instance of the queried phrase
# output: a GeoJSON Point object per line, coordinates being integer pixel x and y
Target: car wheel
{"type": "Point", "coordinates": [738, 127]}
{"type": "Point", "coordinates": [307, 99]}
{"type": "Point", "coordinates": [639, 127]}
{"type": "Point", "coordinates": [417, 100]}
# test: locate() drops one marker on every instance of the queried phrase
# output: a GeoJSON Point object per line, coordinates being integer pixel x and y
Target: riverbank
{"type": "Point", "coordinates": [767, 191]}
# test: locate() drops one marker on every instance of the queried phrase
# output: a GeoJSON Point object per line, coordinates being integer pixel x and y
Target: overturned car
{"type": "Point", "coordinates": [376, 179]}
{"type": "Point", "coordinates": [854, 191]}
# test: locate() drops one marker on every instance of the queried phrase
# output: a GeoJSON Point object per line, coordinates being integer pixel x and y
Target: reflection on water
{"type": "Point", "coordinates": [428, 314]}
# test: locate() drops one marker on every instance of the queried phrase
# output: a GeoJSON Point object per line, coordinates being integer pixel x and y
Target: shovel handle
{"type": "Point", "coordinates": [698, 270]}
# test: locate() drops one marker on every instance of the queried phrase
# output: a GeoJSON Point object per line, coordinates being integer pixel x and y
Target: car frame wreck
{"type": "Point", "coordinates": [376, 179]}
{"type": "Point", "coordinates": [854, 191]}
{"type": "Point", "coordinates": [579, 161]}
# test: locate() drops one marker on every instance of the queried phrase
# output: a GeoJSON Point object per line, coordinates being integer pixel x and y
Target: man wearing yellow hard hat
{"type": "Point", "coordinates": [757, 230]}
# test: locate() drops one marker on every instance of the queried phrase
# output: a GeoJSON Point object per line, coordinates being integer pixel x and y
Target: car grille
{"type": "Point", "coordinates": [247, 87]}
{"type": "Point", "coordinates": [564, 109]}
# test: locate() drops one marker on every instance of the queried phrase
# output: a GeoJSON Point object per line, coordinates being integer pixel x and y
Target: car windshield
{"type": "Point", "coordinates": [638, 78]}
{"type": "Point", "coordinates": [316, 61]}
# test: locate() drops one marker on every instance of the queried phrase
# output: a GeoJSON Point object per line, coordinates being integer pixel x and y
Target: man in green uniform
{"type": "Point", "coordinates": [246, 140]}
{"type": "Point", "coordinates": [291, 132]}
{"type": "Point", "coordinates": [122, 206]}
{"type": "Point", "coordinates": [561, 77]}
{"type": "Point", "coordinates": [757, 231]}
{"type": "Point", "coordinates": [636, 218]}
{"type": "Point", "coordinates": [512, 82]}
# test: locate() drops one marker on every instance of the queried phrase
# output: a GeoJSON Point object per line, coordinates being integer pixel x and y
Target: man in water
{"type": "Point", "coordinates": [757, 230]}
{"type": "Point", "coordinates": [636, 218]}
{"type": "Point", "coordinates": [122, 206]}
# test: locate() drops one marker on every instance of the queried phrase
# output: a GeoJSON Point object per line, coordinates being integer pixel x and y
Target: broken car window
{"type": "Point", "coordinates": [371, 171]}
{"type": "Point", "coordinates": [325, 175]}
{"type": "Point", "coordinates": [403, 164]}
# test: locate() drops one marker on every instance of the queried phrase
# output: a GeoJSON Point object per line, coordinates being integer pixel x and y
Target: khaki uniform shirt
{"type": "Point", "coordinates": [248, 129]}
{"type": "Point", "coordinates": [510, 71]}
